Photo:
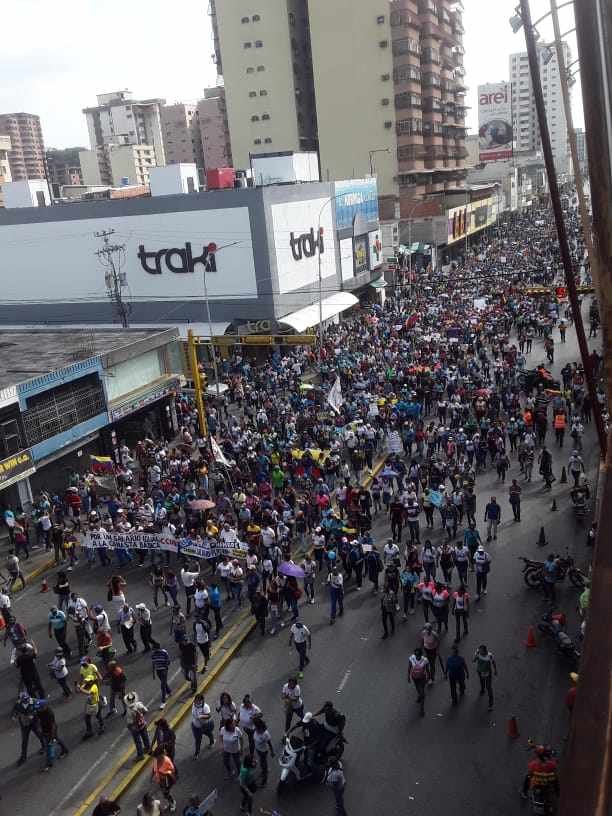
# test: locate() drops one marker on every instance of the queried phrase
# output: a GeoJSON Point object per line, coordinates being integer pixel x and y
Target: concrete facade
{"type": "Point", "coordinates": [5, 168]}
{"type": "Point", "coordinates": [27, 154]}
{"type": "Point", "coordinates": [181, 134]}
{"type": "Point", "coordinates": [213, 129]}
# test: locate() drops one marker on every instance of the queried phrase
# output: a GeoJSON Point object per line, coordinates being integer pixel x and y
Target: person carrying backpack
{"type": "Point", "coordinates": [419, 673]}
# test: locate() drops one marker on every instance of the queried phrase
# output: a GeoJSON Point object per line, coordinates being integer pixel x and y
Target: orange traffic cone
{"type": "Point", "coordinates": [512, 728]}
{"type": "Point", "coordinates": [44, 587]}
{"type": "Point", "coordinates": [531, 642]}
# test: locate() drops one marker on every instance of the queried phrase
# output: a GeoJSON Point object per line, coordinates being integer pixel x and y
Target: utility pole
{"type": "Point", "coordinates": [112, 258]}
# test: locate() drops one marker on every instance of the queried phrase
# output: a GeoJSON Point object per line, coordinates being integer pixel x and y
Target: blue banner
{"type": "Point", "coordinates": [355, 197]}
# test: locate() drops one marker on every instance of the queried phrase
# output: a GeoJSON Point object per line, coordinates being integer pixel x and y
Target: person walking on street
{"type": "Point", "coordinates": [439, 605]}
{"type": "Point", "coordinates": [126, 626]}
{"type": "Point", "coordinates": [301, 637]}
{"type": "Point", "coordinates": [57, 627]}
{"type": "Point", "coordinates": [335, 778]}
{"type": "Point", "coordinates": [164, 773]}
{"type": "Point", "coordinates": [335, 582]}
{"type": "Point", "coordinates": [419, 673]}
{"type": "Point", "coordinates": [143, 616]}
{"type": "Point", "coordinates": [248, 785]}
{"type": "Point", "coordinates": [456, 672]}
{"type": "Point", "coordinates": [263, 747]}
{"type": "Point", "coordinates": [259, 608]}
{"type": "Point", "coordinates": [189, 662]}
{"type": "Point", "coordinates": [426, 590]}
{"type": "Point", "coordinates": [202, 724]}
{"type": "Point", "coordinates": [482, 565]}
{"type": "Point", "coordinates": [136, 722]}
{"type": "Point", "coordinates": [14, 571]}
{"type": "Point", "coordinates": [430, 641]}
{"type": "Point", "coordinates": [59, 671]}
{"type": "Point", "coordinates": [492, 517]}
{"type": "Point", "coordinates": [93, 706]}
{"type": "Point", "coordinates": [374, 567]}
{"type": "Point", "coordinates": [515, 499]}
{"type": "Point", "coordinates": [292, 698]}
{"type": "Point", "coordinates": [115, 677]}
{"type": "Point", "coordinates": [25, 661]}
{"type": "Point", "coordinates": [24, 712]}
{"type": "Point", "coordinates": [461, 611]}
{"type": "Point", "coordinates": [49, 733]}
{"type": "Point", "coordinates": [388, 602]}
{"type": "Point", "coordinates": [409, 580]}
{"type": "Point", "coordinates": [486, 667]}
{"type": "Point", "coordinates": [230, 739]}
{"type": "Point", "coordinates": [201, 637]}
{"type": "Point", "coordinates": [550, 571]}
{"type": "Point", "coordinates": [160, 660]}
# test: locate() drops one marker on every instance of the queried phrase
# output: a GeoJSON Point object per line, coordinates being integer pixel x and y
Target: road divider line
{"type": "Point", "coordinates": [134, 772]}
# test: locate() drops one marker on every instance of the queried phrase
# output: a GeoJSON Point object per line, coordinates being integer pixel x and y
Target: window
{"type": "Point", "coordinates": [248, 45]}
{"type": "Point", "coordinates": [261, 68]}
{"type": "Point", "coordinates": [252, 94]}
{"type": "Point", "coordinates": [407, 100]}
{"type": "Point", "coordinates": [250, 70]}
{"type": "Point", "coordinates": [406, 46]}
{"type": "Point", "coordinates": [413, 126]}
{"type": "Point", "coordinates": [268, 140]}
{"type": "Point", "coordinates": [255, 118]}
{"type": "Point", "coordinates": [388, 125]}
{"type": "Point", "coordinates": [258, 44]}
{"type": "Point", "coordinates": [257, 141]}
{"type": "Point", "coordinates": [431, 55]}
{"type": "Point", "coordinates": [256, 18]}
{"type": "Point", "coordinates": [266, 117]}
{"type": "Point", "coordinates": [245, 20]}
{"type": "Point", "coordinates": [385, 77]}
{"type": "Point", "coordinates": [263, 93]}
{"type": "Point", "coordinates": [405, 73]}
{"type": "Point", "coordinates": [384, 101]}
{"type": "Point", "coordinates": [380, 19]}
{"type": "Point", "coordinates": [291, 18]}
{"type": "Point", "coordinates": [384, 43]}
{"type": "Point", "coordinates": [11, 438]}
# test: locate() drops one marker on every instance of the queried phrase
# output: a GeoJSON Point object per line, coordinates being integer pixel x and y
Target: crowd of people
{"type": "Point", "coordinates": [440, 385]}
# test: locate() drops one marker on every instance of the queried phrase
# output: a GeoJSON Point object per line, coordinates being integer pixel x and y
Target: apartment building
{"type": "Point", "coordinates": [181, 134]}
{"type": "Point", "coordinates": [213, 128]}
{"type": "Point", "coordinates": [63, 168]}
{"type": "Point", "coordinates": [377, 86]}
{"type": "Point", "coordinates": [263, 52]}
{"type": "Point", "coordinates": [5, 170]}
{"type": "Point", "coordinates": [27, 154]}
{"type": "Point", "coordinates": [524, 116]}
{"type": "Point", "coordinates": [117, 165]}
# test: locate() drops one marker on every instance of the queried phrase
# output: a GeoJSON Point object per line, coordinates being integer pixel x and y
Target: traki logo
{"type": "Point", "coordinates": [178, 260]}
{"type": "Point", "coordinates": [306, 245]}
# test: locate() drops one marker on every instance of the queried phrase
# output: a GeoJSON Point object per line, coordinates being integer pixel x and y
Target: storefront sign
{"type": "Point", "coordinates": [178, 260]}
{"type": "Point", "coordinates": [142, 401]}
{"type": "Point", "coordinates": [136, 540]}
{"type": "Point", "coordinates": [17, 467]}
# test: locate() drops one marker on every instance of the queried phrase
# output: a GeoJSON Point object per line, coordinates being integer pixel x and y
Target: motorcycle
{"type": "Point", "coordinates": [533, 572]}
{"type": "Point", "coordinates": [543, 792]}
{"type": "Point", "coordinates": [579, 500]}
{"type": "Point", "coordinates": [552, 625]}
{"type": "Point", "coordinates": [307, 763]}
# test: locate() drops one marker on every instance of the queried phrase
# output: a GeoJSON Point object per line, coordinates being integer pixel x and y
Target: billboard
{"type": "Point", "coordinates": [494, 121]}
{"type": "Point", "coordinates": [355, 197]}
{"type": "Point", "coordinates": [166, 255]}
{"type": "Point", "coordinates": [303, 237]}
{"type": "Point", "coordinates": [375, 250]}
{"type": "Point", "coordinates": [360, 254]}
{"type": "Point", "coordinates": [346, 259]}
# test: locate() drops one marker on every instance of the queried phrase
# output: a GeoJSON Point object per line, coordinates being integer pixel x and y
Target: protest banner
{"type": "Point", "coordinates": [158, 542]}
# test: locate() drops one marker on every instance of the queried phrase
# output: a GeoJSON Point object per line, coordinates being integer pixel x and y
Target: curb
{"type": "Point", "coordinates": [134, 772]}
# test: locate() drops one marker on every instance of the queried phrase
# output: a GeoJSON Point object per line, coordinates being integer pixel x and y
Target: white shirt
{"type": "Point", "coordinates": [336, 580]}
{"type": "Point", "coordinates": [300, 633]}
{"type": "Point", "coordinates": [390, 551]}
{"type": "Point", "coordinates": [200, 714]}
{"type": "Point", "coordinates": [188, 578]}
{"type": "Point", "coordinates": [5, 601]}
{"type": "Point", "coordinates": [231, 740]}
{"type": "Point", "coordinates": [201, 632]}
{"type": "Point", "coordinates": [246, 716]}
{"type": "Point", "coordinates": [294, 695]}
{"type": "Point", "coordinates": [200, 598]}
{"type": "Point", "coordinates": [224, 569]}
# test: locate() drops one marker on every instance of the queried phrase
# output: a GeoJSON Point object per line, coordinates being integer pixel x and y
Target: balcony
{"type": "Point", "coordinates": [430, 56]}
{"type": "Point", "coordinates": [412, 152]}
{"type": "Point", "coordinates": [447, 59]}
{"type": "Point", "coordinates": [403, 19]}
{"type": "Point", "coordinates": [407, 100]}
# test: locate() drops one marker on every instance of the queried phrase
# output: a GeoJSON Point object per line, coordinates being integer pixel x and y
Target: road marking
{"type": "Point", "coordinates": [343, 682]}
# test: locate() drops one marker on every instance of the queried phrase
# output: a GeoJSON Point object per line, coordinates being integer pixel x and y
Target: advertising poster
{"type": "Point", "coordinates": [360, 254]}
{"type": "Point", "coordinates": [376, 257]}
{"type": "Point", "coordinates": [494, 122]}
{"type": "Point", "coordinates": [355, 197]}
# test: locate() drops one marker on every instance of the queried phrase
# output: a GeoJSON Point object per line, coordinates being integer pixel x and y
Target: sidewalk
{"type": "Point", "coordinates": [40, 560]}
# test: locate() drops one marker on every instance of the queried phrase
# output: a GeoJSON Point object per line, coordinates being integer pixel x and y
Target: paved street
{"type": "Point", "coordinates": [454, 759]}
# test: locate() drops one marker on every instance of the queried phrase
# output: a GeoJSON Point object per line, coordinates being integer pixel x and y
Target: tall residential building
{"type": "Point", "coordinates": [27, 154]}
{"type": "Point", "coordinates": [264, 55]}
{"type": "Point", "coordinates": [63, 168]}
{"type": "Point", "coordinates": [117, 165]}
{"type": "Point", "coordinates": [5, 170]}
{"type": "Point", "coordinates": [181, 133]}
{"type": "Point", "coordinates": [581, 149]}
{"type": "Point", "coordinates": [214, 131]}
{"type": "Point", "coordinates": [379, 85]}
{"type": "Point", "coordinates": [524, 116]}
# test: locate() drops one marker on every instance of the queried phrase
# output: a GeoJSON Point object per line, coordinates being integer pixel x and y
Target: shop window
{"type": "Point", "coordinates": [11, 438]}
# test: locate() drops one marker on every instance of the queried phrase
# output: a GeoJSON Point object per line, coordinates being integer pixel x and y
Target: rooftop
{"type": "Point", "coordinates": [28, 354]}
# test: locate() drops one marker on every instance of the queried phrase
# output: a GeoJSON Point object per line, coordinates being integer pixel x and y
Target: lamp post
{"type": "Point", "coordinates": [560, 224]}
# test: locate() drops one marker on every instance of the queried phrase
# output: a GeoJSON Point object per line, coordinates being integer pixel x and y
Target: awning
{"type": "Point", "coordinates": [310, 315]}
{"type": "Point", "coordinates": [379, 283]}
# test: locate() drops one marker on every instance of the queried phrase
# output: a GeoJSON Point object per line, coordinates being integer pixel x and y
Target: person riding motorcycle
{"type": "Point", "coordinates": [313, 734]}
{"type": "Point", "coordinates": [542, 773]}
{"type": "Point", "coordinates": [334, 721]}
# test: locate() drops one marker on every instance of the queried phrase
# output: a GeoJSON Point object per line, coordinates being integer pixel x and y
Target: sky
{"type": "Point", "coordinates": [72, 50]}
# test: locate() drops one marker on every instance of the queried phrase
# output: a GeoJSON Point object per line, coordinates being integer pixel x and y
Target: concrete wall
{"type": "Point", "coordinates": [276, 80]}
{"type": "Point", "coordinates": [348, 65]}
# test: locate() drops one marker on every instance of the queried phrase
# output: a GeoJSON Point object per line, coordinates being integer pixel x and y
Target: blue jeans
{"type": "Point", "coordinates": [163, 679]}
{"type": "Point", "coordinates": [236, 592]}
{"type": "Point", "coordinates": [337, 600]}
{"type": "Point", "coordinates": [141, 740]}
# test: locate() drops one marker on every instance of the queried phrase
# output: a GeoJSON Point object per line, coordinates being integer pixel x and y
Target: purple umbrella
{"type": "Point", "coordinates": [289, 568]}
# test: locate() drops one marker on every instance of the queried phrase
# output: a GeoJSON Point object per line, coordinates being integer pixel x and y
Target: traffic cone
{"type": "Point", "coordinates": [541, 542]}
{"type": "Point", "coordinates": [512, 728]}
{"type": "Point", "coordinates": [44, 587]}
{"type": "Point", "coordinates": [563, 475]}
{"type": "Point", "coordinates": [531, 642]}
{"type": "Point", "coordinates": [553, 506]}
